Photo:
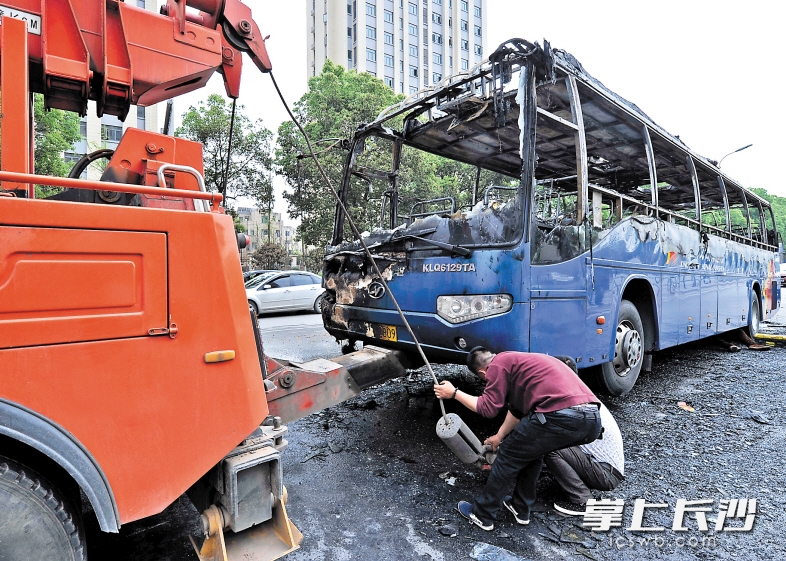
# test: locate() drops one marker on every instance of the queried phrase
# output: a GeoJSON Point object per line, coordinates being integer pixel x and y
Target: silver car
{"type": "Point", "coordinates": [284, 291]}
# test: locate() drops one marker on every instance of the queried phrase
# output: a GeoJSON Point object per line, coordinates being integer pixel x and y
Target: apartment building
{"type": "Point", "coordinates": [409, 44]}
{"type": "Point", "coordinates": [105, 132]}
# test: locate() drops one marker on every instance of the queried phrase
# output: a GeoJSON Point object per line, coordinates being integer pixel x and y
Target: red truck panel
{"type": "Point", "coordinates": [151, 412]}
{"type": "Point", "coordinates": [66, 285]}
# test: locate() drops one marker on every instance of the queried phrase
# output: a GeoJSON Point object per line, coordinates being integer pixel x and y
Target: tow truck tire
{"type": "Point", "coordinates": [618, 376]}
{"type": "Point", "coordinates": [37, 521]}
{"type": "Point", "coordinates": [754, 317]}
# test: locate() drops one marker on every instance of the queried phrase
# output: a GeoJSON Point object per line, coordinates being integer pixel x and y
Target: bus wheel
{"type": "Point", "coordinates": [618, 376]}
{"type": "Point", "coordinates": [755, 315]}
{"type": "Point", "coordinates": [37, 521]}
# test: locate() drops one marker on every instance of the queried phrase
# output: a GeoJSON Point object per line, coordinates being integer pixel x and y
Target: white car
{"type": "Point", "coordinates": [285, 291]}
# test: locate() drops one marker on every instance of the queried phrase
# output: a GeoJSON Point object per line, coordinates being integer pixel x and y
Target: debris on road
{"type": "Point", "coordinates": [586, 553]}
{"type": "Point", "coordinates": [487, 552]}
{"type": "Point", "coordinates": [759, 417]}
{"type": "Point", "coordinates": [549, 537]}
{"type": "Point", "coordinates": [686, 407]}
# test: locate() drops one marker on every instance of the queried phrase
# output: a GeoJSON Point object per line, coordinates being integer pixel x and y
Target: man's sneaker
{"type": "Point", "coordinates": [465, 510]}
{"type": "Point", "coordinates": [569, 508]}
{"type": "Point", "coordinates": [507, 502]}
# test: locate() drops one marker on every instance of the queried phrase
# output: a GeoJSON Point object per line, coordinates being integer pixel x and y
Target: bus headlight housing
{"type": "Point", "coordinates": [458, 309]}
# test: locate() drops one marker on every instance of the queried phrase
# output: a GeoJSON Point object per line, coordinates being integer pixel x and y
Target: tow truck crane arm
{"type": "Point", "coordinates": [119, 55]}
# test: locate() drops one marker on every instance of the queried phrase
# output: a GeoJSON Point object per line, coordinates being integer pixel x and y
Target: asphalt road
{"type": "Point", "coordinates": [297, 336]}
{"type": "Point", "coordinates": [369, 479]}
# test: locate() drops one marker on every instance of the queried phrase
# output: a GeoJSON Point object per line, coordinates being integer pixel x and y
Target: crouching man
{"type": "Point", "coordinates": [557, 411]}
{"type": "Point", "coordinates": [598, 465]}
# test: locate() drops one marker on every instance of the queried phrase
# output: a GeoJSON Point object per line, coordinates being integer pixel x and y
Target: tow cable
{"type": "Point", "coordinates": [450, 428]}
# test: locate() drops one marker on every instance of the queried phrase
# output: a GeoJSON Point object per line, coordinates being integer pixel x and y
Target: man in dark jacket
{"type": "Point", "coordinates": [549, 408]}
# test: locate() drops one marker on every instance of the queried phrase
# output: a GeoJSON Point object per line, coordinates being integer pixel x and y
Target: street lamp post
{"type": "Point", "coordinates": [730, 153]}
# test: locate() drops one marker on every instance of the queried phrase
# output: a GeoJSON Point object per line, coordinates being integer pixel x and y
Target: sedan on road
{"type": "Point", "coordinates": [285, 291]}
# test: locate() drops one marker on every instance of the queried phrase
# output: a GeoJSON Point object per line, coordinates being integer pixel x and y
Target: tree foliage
{"type": "Point", "coordinates": [336, 103]}
{"type": "Point", "coordinates": [251, 161]}
{"type": "Point", "coordinates": [778, 208]}
{"type": "Point", "coordinates": [270, 256]}
{"type": "Point", "coordinates": [55, 131]}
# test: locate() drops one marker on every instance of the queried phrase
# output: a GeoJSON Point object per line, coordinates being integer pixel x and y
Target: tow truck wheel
{"type": "Point", "coordinates": [618, 376]}
{"type": "Point", "coordinates": [37, 521]}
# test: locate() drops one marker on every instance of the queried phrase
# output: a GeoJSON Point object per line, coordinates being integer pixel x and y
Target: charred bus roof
{"type": "Point", "coordinates": [473, 118]}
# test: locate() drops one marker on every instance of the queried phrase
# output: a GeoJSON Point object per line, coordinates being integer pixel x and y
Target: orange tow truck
{"type": "Point", "coordinates": [125, 378]}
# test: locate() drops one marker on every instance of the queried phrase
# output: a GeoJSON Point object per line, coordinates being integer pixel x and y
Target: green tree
{"type": "Point", "coordinates": [251, 161]}
{"type": "Point", "coordinates": [312, 260]}
{"type": "Point", "coordinates": [270, 256]}
{"type": "Point", "coordinates": [337, 102]}
{"type": "Point", "coordinates": [55, 131]}
{"type": "Point", "coordinates": [778, 208]}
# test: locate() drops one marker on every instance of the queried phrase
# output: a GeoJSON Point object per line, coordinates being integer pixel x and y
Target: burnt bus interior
{"type": "Point", "coordinates": [598, 160]}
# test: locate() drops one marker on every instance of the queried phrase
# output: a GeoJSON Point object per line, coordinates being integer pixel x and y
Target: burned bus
{"type": "Point", "coordinates": [524, 206]}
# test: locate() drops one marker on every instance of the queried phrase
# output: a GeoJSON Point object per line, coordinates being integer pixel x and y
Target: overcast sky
{"type": "Point", "coordinates": [706, 71]}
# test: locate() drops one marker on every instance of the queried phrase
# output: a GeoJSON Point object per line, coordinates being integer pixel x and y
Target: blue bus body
{"type": "Point", "coordinates": [631, 244]}
{"type": "Point", "coordinates": [692, 290]}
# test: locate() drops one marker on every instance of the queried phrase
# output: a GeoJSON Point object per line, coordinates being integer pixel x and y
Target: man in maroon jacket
{"type": "Point", "coordinates": [549, 408]}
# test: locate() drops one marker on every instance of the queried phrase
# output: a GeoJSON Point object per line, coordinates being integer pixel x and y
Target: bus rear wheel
{"type": "Point", "coordinates": [618, 376]}
{"type": "Point", "coordinates": [37, 521]}
{"type": "Point", "coordinates": [755, 315]}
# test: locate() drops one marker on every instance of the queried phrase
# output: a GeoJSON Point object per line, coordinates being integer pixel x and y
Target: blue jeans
{"type": "Point", "coordinates": [521, 457]}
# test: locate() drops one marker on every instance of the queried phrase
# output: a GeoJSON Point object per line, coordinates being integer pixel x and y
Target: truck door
{"type": "Point", "coordinates": [68, 285]}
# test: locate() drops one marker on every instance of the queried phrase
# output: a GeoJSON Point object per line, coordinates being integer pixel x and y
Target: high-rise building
{"type": "Point", "coordinates": [409, 44]}
{"type": "Point", "coordinates": [105, 132]}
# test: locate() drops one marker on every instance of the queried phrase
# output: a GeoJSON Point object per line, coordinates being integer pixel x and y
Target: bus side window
{"type": "Point", "coordinates": [738, 210]}
{"type": "Point", "coordinates": [675, 184]}
{"type": "Point", "coordinates": [772, 236]}
{"type": "Point", "coordinates": [616, 154]}
{"type": "Point", "coordinates": [756, 220]}
{"type": "Point", "coordinates": [713, 210]}
{"type": "Point", "coordinates": [605, 210]}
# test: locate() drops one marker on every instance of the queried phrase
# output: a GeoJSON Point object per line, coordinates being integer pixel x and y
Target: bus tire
{"type": "Point", "coordinates": [618, 376]}
{"type": "Point", "coordinates": [754, 316]}
{"type": "Point", "coordinates": [37, 521]}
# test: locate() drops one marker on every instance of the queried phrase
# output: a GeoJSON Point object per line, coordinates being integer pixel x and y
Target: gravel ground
{"type": "Point", "coordinates": [369, 479]}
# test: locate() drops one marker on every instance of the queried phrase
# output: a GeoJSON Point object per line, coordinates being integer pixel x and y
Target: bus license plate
{"type": "Point", "coordinates": [385, 333]}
